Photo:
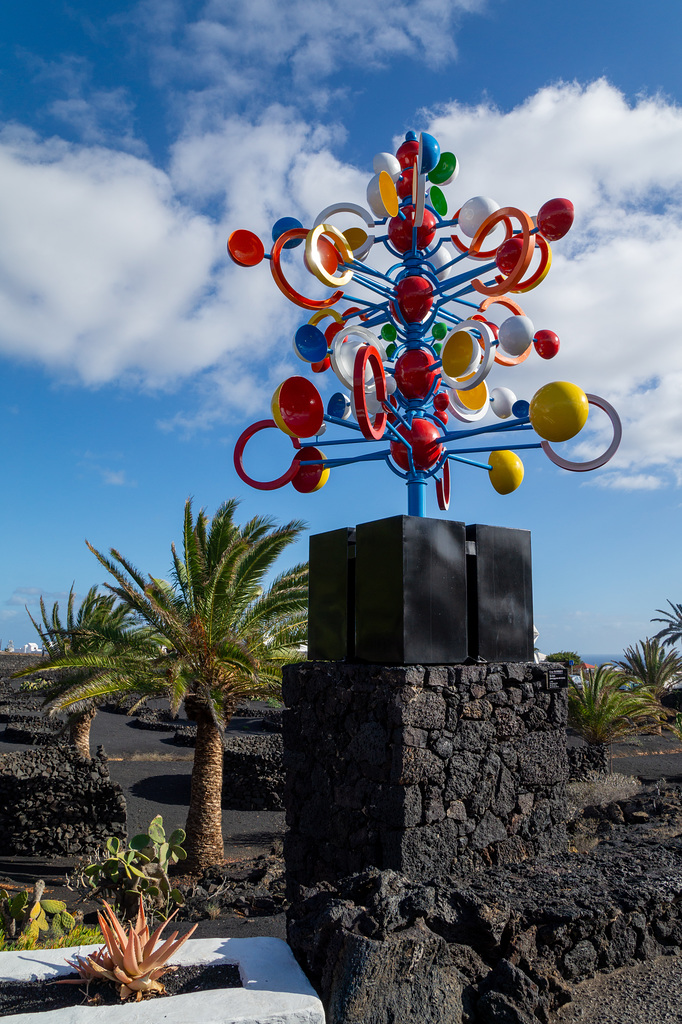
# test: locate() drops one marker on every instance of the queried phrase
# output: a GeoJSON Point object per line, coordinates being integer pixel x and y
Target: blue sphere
{"type": "Point", "coordinates": [286, 224]}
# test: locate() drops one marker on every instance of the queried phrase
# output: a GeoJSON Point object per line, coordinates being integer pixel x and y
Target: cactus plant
{"type": "Point", "coordinates": [131, 961]}
{"type": "Point", "coordinates": [23, 915]}
{"type": "Point", "coordinates": [142, 868]}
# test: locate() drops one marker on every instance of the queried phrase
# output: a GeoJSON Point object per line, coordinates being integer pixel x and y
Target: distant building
{"type": "Point", "coordinates": [32, 649]}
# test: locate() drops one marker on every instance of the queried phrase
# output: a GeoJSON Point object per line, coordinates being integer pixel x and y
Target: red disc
{"type": "Point", "coordinates": [414, 373]}
{"type": "Point", "coordinates": [327, 254]}
{"type": "Point", "coordinates": [426, 450]}
{"type": "Point", "coordinates": [415, 297]}
{"type": "Point", "coordinates": [546, 344]}
{"type": "Point", "coordinates": [307, 478]}
{"type": "Point", "coordinates": [400, 231]}
{"type": "Point", "coordinates": [245, 248]}
{"type": "Point", "coordinates": [300, 406]}
{"type": "Point", "coordinates": [323, 365]}
{"type": "Point", "coordinates": [555, 218]}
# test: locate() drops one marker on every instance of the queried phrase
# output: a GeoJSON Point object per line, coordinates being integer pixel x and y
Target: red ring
{"type": "Point", "coordinates": [368, 353]}
{"type": "Point", "coordinates": [443, 488]}
{"type": "Point", "coordinates": [261, 485]}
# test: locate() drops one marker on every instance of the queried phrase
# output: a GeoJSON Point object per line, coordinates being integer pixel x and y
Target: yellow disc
{"type": "Point", "coordinates": [277, 415]}
{"type": "Point", "coordinates": [475, 398]}
{"type": "Point", "coordinates": [457, 354]}
{"type": "Point", "coordinates": [323, 478]}
{"type": "Point", "coordinates": [389, 196]}
{"type": "Point", "coordinates": [355, 237]}
{"type": "Point", "coordinates": [559, 410]}
{"type": "Point", "coordinates": [507, 471]}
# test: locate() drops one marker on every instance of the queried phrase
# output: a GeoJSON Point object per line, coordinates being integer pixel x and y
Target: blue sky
{"type": "Point", "coordinates": [135, 136]}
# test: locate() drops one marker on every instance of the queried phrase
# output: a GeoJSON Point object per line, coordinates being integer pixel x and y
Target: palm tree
{"type": "Point", "coordinates": [602, 711]}
{"type": "Point", "coordinates": [226, 635]}
{"type": "Point", "coordinates": [672, 631]}
{"type": "Point", "coordinates": [647, 664]}
{"type": "Point", "coordinates": [101, 624]}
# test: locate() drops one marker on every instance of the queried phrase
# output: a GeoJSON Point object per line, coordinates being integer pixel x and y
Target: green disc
{"type": "Point", "coordinates": [438, 200]}
{"type": "Point", "coordinates": [444, 170]}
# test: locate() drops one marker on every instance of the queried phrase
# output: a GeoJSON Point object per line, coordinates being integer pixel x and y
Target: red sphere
{"type": "Point", "coordinates": [414, 373]}
{"type": "Point", "coordinates": [555, 218]}
{"type": "Point", "coordinates": [546, 344]}
{"type": "Point", "coordinates": [404, 183]}
{"type": "Point", "coordinates": [415, 297]}
{"type": "Point", "coordinates": [441, 401]}
{"type": "Point", "coordinates": [408, 153]}
{"type": "Point", "coordinates": [400, 231]}
{"type": "Point", "coordinates": [507, 255]}
{"type": "Point", "coordinates": [442, 415]}
{"type": "Point", "coordinates": [426, 450]}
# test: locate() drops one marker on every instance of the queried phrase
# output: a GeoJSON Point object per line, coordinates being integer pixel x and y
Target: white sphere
{"type": "Point", "coordinates": [389, 163]}
{"type": "Point", "coordinates": [474, 212]}
{"type": "Point", "coordinates": [516, 334]}
{"type": "Point", "coordinates": [501, 402]}
{"type": "Point", "coordinates": [390, 384]}
{"type": "Point", "coordinates": [438, 259]}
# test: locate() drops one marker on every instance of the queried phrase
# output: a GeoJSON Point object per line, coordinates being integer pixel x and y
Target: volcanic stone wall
{"type": "Point", "coordinates": [52, 801]}
{"type": "Point", "coordinates": [428, 771]}
{"type": "Point", "coordinates": [253, 773]}
{"type": "Point", "coordinates": [585, 761]}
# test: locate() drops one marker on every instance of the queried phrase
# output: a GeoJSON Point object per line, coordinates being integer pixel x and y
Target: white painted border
{"type": "Point", "coordinates": [275, 988]}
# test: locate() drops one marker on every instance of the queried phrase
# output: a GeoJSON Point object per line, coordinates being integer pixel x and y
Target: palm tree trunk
{"type": "Point", "coordinates": [79, 732]}
{"type": "Point", "coordinates": [204, 825]}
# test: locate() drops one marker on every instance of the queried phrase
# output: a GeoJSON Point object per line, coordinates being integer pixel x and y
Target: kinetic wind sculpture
{"type": "Point", "coordinates": [414, 349]}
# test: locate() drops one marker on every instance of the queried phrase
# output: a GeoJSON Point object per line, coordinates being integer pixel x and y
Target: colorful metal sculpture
{"type": "Point", "coordinates": [416, 345]}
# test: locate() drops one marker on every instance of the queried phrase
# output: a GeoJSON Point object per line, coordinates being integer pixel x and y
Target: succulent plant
{"type": "Point", "coordinates": [25, 915]}
{"type": "Point", "coordinates": [131, 960]}
{"type": "Point", "coordinates": [141, 868]}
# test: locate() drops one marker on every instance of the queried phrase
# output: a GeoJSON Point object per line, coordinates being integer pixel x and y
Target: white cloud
{"type": "Point", "coordinates": [31, 596]}
{"type": "Point", "coordinates": [228, 54]}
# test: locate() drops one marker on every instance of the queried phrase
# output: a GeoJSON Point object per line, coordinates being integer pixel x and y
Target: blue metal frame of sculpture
{"type": "Point", "coordinates": [416, 346]}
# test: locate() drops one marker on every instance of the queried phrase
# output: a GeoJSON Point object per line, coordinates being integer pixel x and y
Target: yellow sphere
{"type": "Point", "coordinates": [559, 410]}
{"type": "Point", "coordinates": [507, 471]}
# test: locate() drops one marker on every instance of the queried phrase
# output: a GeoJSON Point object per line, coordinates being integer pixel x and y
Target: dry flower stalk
{"type": "Point", "coordinates": [130, 961]}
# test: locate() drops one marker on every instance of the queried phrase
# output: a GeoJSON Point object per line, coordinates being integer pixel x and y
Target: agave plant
{"type": "Point", "coordinates": [131, 961]}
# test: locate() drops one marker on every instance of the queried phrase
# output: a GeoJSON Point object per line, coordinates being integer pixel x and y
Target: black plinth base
{"type": "Point", "coordinates": [500, 595]}
{"type": "Point", "coordinates": [409, 590]}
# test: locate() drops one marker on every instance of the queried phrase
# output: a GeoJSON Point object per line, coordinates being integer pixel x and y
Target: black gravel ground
{"type": "Point", "coordinates": [154, 774]}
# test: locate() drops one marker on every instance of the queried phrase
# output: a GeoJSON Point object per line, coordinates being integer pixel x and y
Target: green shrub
{"type": "Point", "coordinates": [120, 875]}
{"type": "Point", "coordinates": [29, 915]}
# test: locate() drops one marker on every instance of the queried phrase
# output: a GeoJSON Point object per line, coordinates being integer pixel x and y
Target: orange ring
{"type": "Point", "coordinates": [514, 308]}
{"type": "Point", "coordinates": [543, 269]}
{"type": "Point", "coordinates": [509, 231]}
{"type": "Point", "coordinates": [506, 283]}
{"type": "Point", "coordinates": [283, 284]}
